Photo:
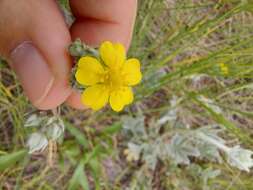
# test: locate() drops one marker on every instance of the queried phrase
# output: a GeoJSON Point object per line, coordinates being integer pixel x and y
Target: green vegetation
{"type": "Point", "coordinates": [194, 106]}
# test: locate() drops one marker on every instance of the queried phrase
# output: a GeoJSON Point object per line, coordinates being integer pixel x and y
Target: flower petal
{"type": "Point", "coordinates": [132, 72]}
{"type": "Point", "coordinates": [95, 96]}
{"type": "Point", "coordinates": [89, 71]}
{"type": "Point", "coordinates": [113, 55]}
{"type": "Point", "coordinates": [120, 98]}
{"type": "Point", "coordinates": [121, 53]}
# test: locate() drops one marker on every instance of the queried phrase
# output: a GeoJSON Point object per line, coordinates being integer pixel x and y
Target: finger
{"type": "Point", "coordinates": [98, 21]}
{"type": "Point", "coordinates": [40, 61]}
{"type": "Point", "coordinates": [74, 100]}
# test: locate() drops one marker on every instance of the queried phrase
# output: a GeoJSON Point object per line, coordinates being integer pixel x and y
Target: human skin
{"type": "Point", "coordinates": [34, 39]}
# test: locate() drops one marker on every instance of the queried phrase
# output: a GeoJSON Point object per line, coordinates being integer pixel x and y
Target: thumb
{"type": "Point", "coordinates": [41, 61]}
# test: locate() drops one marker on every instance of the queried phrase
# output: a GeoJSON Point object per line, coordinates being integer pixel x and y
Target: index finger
{"type": "Point", "coordinates": [100, 20]}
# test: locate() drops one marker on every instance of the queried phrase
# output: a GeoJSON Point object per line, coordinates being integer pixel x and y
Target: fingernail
{"type": "Point", "coordinates": [33, 72]}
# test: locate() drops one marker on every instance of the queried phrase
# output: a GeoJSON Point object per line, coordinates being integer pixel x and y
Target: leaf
{"type": "Point", "coordinates": [135, 125]}
{"type": "Point", "coordinates": [203, 175]}
{"type": "Point", "coordinates": [210, 104]}
{"type": "Point", "coordinates": [219, 118]}
{"type": "Point", "coordinates": [80, 138]}
{"type": "Point", "coordinates": [33, 121]}
{"type": "Point", "coordinates": [240, 158]}
{"type": "Point", "coordinates": [150, 160]}
{"type": "Point", "coordinates": [96, 151]}
{"type": "Point", "coordinates": [171, 114]}
{"type": "Point", "coordinates": [194, 170]}
{"type": "Point", "coordinates": [79, 178]}
{"type": "Point", "coordinates": [9, 160]}
{"type": "Point", "coordinates": [210, 173]}
{"type": "Point", "coordinates": [212, 131]}
{"type": "Point", "coordinates": [135, 149]}
{"type": "Point", "coordinates": [181, 148]}
{"type": "Point", "coordinates": [116, 127]}
{"type": "Point", "coordinates": [37, 142]}
{"type": "Point", "coordinates": [96, 168]}
{"type": "Point", "coordinates": [55, 131]}
{"type": "Point", "coordinates": [71, 150]}
{"type": "Point", "coordinates": [207, 150]}
{"type": "Point", "coordinates": [236, 156]}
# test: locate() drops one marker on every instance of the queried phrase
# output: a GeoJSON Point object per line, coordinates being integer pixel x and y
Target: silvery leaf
{"type": "Point", "coordinates": [55, 127]}
{"type": "Point", "coordinates": [212, 131]}
{"type": "Point", "coordinates": [209, 152]}
{"type": "Point", "coordinates": [207, 136]}
{"type": "Point", "coordinates": [52, 120]}
{"type": "Point", "coordinates": [240, 158]}
{"type": "Point", "coordinates": [171, 114]}
{"type": "Point", "coordinates": [33, 121]}
{"type": "Point", "coordinates": [181, 148]}
{"type": "Point", "coordinates": [55, 131]}
{"type": "Point", "coordinates": [37, 142]}
{"type": "Point", "coordinates": [135, 125]}
{"type": "Point", "coordinates": [135, 149]}
{"type": "Point", "coordinates": [151, 153]}
{"type": "Point", "coordinates": [151, 161]}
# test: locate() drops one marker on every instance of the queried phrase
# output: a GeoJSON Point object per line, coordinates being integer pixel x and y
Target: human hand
{"type": "Point", "coordinates": [34, 38]}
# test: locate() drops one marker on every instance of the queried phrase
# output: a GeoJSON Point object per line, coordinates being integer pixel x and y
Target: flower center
{"type": "Point", "coordinates": [113, 78]}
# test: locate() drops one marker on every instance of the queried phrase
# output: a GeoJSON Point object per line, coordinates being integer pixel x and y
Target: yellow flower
{"type": "Point", "coordinates": [110, 79]}
{"type": "Point", "coordinates": [224, 69]}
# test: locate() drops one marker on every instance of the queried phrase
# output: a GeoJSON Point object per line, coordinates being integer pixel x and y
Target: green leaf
{"type": "Point", "coordinates": [114, 128]}
{"type": "Point", "coordinates": [72, 151]}
{"type": "Point", "coordinates": [9, 160]}
{"type": "Point", "coordinates": [80, 138]}
{"type": "Point", "coordinates": [79, 178]}
{"type": "Point", "coordinates": [96, 168]}
{"type": "Point", "coordinates": [96, 152]}
{"type": "Point", "coordinates": [95, 165]}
